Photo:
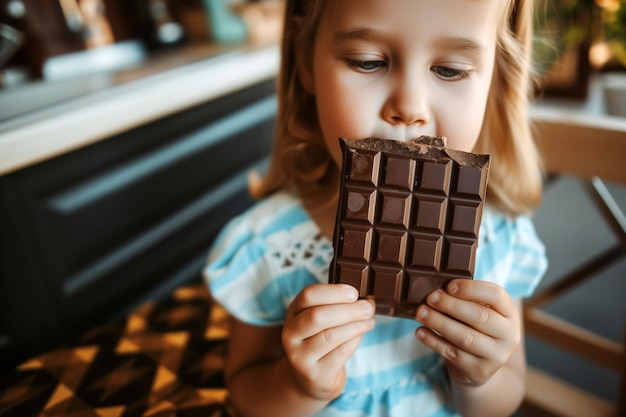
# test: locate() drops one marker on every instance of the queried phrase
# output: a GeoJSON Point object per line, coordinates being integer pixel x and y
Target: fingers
{"type": "Point", "coordinates": [454, 337]}
{"type": "Point", "coordinates": [483, 292]}
{"type": "Point", "coordinates": [483, 306]}
{"type": "Point", "coordinates": [449, 351]}
{"type": "Point", "coordinates": [319, 330]}
{"type": "Point", "coordinates": [323, 327]}
{"type": "Point", "coordinates": [333, 337]}
{"type": "Point", "coordinates": [320, 308]}
{"type": "Point", "coordinates": [322, 318]}
{"type": "Point", "coordinates": [474, 325]}
{"type": "Point", "coordinates": [323, 294]}
{"type": "Point", "coordinates": [470, 314]}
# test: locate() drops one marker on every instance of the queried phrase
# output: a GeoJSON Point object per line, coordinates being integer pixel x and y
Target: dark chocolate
{"type": "Point", "coordinates": [407, 220]}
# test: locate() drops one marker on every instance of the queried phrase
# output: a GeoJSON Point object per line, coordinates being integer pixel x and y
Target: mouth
{"type": "Point", "coordinates": [412, 139]}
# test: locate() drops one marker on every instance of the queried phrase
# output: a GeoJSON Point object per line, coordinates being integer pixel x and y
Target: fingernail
{"type": "Point", "coordinates": [368, 308]}
{"type": "Point", "coordinates": [453, 288]}
{"type": "Point", "coordinates": [422, 314]}
{"type": "Point", "coordinates": [434, 297]}
{"type": "Point", "coordinates": [421, 333]}
{"type": "Point", "coordinates": [351, 292]}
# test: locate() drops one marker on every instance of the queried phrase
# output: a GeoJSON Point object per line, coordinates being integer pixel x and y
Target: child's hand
{"type": "Point", "coordinates": [323, 328]}
{"type": "Point", "coordinates": [474, 325]}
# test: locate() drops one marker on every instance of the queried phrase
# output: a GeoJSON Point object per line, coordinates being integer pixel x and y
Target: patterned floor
{"type": "Point", "coordinates": [163, 360]}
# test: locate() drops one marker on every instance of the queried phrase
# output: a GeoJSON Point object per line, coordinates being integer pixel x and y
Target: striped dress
{"type": "Point", "coordinates": [264, 257]}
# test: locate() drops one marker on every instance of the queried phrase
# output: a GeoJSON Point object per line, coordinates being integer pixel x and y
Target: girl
{"type": "Point", "coordinates": [393, 69]}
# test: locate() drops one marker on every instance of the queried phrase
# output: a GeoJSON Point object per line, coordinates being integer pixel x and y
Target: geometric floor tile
{"type": "Point", "coordinates": [165, 359]}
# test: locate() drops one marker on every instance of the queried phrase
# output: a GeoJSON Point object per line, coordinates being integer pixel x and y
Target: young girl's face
{"type": "Point", "coordinates": [400, 69]}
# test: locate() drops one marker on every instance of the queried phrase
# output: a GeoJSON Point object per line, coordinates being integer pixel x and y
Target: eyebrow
{"type": "Point", "coordinates": [359, 34]}
{"type": "Point", "coordinates": [450, 43]}
{"type": "Point", "coordinates": [460, 44]}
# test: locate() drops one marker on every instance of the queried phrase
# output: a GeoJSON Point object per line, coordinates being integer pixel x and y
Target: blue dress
{"type": "Point", "coordinates": [264, 257]}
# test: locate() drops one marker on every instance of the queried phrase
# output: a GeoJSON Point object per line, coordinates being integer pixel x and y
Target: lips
{"type": "Point", "coordinates": [404, 133]}
{"type": "Point", "coordinates": [405, 138]}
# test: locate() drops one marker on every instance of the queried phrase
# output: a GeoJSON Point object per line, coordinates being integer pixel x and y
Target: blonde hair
{"type": "Point", "coordinates": [301, 163]}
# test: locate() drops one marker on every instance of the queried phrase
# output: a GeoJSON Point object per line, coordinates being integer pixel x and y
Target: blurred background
{"type": "Point", "coordinates": [48, 42]}
{"type": "Point", "coordinates": [575, 40]}
{"type": "Point", "coordinates": [128, 129]}
{"type": "Point", "coordinates": [43, 44]}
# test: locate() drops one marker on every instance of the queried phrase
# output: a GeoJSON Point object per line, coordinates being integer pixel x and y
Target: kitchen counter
{"type": "Point", "coordinates": [99, 106]}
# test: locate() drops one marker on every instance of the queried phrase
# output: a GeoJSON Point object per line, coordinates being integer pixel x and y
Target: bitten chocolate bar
{"type": "Point", "coordinates": [407, 220]}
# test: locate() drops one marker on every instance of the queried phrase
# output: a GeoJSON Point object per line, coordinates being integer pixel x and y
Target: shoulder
{"type": "Point", "coordinates": [276, 213]}
{"type": "Point", "coordinates": [510, 253]}
{"type": "Point", "coordinates": [263, 257]}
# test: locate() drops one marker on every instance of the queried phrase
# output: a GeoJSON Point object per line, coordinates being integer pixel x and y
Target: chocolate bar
{"type": "Point", "coordinates": [407, 219]}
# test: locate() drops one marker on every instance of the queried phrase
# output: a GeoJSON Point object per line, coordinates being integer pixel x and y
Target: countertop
{"type": "Point", "coordinates": [98, 106]}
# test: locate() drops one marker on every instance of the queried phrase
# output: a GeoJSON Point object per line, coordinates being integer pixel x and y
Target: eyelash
{"type": "Point", "coordinates": [449, 73]}
{"type": "Point", "coordinates": [365, 65]}
{"type": "Point", "coordinates": [373, 65]}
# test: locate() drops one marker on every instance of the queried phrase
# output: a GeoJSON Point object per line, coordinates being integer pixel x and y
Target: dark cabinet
{"type": "Point", "coordinates": [86, 236]}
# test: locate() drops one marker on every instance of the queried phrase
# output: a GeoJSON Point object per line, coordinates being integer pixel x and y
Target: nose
{"type": "Point", "coordinates": [407, 102]}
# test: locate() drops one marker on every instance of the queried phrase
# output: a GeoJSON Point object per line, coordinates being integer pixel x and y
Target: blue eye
{"type": "Point", "coordinates": [449, 73]}
{"type": "Point", "coordinates": [365, 66]}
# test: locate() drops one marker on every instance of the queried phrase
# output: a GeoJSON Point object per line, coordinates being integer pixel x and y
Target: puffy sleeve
{"type": "Point", "coordinates": [252, 268]}
{"type": "Point", "coordinates": [510, 254]}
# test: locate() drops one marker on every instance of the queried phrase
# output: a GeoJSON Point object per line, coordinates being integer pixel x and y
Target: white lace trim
{"type": "Point", "coordinates": [300, 247]}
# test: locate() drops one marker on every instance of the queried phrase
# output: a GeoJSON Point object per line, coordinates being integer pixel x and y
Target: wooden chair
{"type": "Point", "coordinates": [593, 149]}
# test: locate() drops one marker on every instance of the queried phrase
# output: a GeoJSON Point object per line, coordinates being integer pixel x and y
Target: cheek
{"type": "Point", "coordinates": [335, 123]}
{"type": "Point", "coordinates": [461, 123]}
{"type": "Point", "coordinates": [342, 112]}
{"type": "Point", "coordinates": [462, 133]}
{"type": "Point", "coordinates": [341, 116]}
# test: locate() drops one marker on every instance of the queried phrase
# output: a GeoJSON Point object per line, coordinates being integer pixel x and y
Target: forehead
{"type": "Point", "coordinates": [412, 20]}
